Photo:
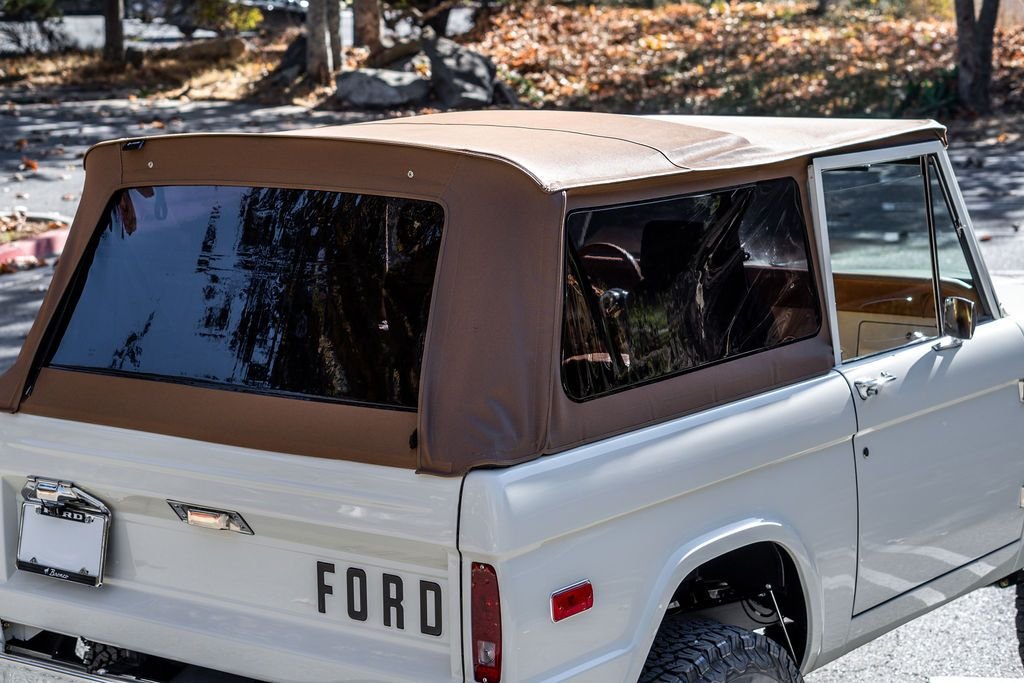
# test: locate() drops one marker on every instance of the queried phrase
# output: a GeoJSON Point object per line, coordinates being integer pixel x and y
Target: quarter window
{"type": "Point", "coordinates": [297, 292]}
{"type": "Point", "coordinates": [656, 289]}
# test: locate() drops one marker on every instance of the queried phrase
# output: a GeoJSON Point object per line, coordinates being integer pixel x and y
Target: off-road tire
{"type": "Point", "coordinates": [1020, 621]}
{"type": "Point", "coordinates": [705, 651]}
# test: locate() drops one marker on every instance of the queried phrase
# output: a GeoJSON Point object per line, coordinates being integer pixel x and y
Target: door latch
{"type": "Point", "coordinates": [866, 388]}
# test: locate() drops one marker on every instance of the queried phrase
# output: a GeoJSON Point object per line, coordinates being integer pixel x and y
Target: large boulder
{"type": "Point", "coordinates": [461, 77]}
{"type": "Point", "coordinates": [381, 88]}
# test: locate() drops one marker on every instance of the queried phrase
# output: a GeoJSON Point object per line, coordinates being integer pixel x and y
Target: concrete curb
{"type": "Point", "coordinates": [44, 245]}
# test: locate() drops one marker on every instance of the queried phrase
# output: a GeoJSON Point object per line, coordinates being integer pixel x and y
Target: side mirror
{"type": "Point", "coordinates": [958, 317]}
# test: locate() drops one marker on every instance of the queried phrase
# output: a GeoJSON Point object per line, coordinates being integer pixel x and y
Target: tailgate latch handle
{"type": "Point", "coordinates": [53, 493]}
{"type": "Point", "coordinates": [210, 518]}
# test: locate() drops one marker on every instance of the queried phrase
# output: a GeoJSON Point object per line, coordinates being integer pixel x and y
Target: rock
{"type": "Point", "coordinates": [294, 56]}
{"type": "Point", "coordinates": [381, 88]}
{"type": "Point", "coordinates": [398, 52]}
{"type": "Point", "coordinates": [461, 77]}
{"type": "Point", "coordinates": [135, 57]}
{"type": "Point", "coordinates": [504, 94]}
{"type": "Point", "coordinates": [290, 74]}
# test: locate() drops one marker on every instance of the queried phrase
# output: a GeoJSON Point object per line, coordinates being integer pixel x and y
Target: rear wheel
{"type": "Point", "coordinates": [705, 651]}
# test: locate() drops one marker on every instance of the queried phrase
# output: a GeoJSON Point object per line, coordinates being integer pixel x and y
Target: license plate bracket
{"type": "Point", "coordinates": [63, 535]}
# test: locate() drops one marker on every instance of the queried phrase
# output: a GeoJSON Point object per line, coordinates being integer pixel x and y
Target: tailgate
{"type": "Point", "coordinates": [351, 572]}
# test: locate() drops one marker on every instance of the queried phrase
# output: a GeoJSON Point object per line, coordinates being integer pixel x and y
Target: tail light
{"type": "Point", "coordinates": [486, 623]}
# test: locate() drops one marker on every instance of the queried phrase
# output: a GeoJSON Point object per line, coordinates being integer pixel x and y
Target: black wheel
{"type": "Point", "coordinates": [705, 651]}
{"type": "Point", "coordinates": [1020, 621]}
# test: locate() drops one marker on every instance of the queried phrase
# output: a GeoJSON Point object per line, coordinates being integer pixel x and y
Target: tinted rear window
{"type": "Point", "coordinates": [299, 292]}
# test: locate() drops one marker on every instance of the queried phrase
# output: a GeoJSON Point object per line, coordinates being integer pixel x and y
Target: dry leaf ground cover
{"type": "Point", "coordinates": [741, 58]}
{"type": "Point", "coordinates": [164, 73]}
{"type": "Point", "coordinates": [17, 226]}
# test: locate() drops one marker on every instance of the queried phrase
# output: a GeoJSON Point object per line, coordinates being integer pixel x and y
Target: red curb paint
{"type": "Point", "coordinates": [41, 246]}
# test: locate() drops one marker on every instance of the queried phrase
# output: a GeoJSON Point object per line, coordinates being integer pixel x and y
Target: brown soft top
{"type": "Point", "coordinates": [490, 389]}
{"type": "Point", "coordinates": [562, 150]}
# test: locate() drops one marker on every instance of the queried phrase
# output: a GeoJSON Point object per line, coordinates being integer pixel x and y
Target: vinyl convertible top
{"type": "Point", "coordinates": [490, 389]}
{"type": "Point", "coordinates": [562, 150]}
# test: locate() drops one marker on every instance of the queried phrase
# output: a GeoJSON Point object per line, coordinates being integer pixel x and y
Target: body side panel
{"type": "Point", "coordinates": [636, 513]}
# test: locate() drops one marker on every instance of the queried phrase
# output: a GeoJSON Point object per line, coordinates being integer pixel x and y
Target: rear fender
{"type": "Point", "coordinates": [715, 544]}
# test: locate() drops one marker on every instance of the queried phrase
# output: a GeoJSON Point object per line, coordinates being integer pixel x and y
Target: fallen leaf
{"type": "Point", "coordinates": [69, 197]}
{"type": "Point", "coordinates": [21, 144]}
{"type": "Point", "coordinates": [29, 164]}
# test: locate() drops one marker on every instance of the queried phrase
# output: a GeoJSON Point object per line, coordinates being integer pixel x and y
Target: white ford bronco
{"type": "Point", "coordinates": [507, 397]}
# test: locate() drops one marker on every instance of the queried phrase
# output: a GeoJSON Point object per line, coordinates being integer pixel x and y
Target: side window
{"type": "Point", "coordinates": [656, 289]}
{"type": "Point", "coordinates": [882, 243]}
{"type": "Point", "coordinates": [283, 291]}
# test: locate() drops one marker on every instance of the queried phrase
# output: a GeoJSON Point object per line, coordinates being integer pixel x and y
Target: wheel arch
{"type": "Point", "coordinates": [716, 544]}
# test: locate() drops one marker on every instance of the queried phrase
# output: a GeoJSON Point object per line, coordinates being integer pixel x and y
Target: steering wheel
{"type": "Point", "coordinates": [612, 264]}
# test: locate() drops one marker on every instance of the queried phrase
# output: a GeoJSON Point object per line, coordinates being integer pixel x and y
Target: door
{"type": "Point", "coordinates": [939, 420]}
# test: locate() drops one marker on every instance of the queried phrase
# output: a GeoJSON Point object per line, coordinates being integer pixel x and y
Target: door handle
{"type": "Point", "coordinates": [867, 388]}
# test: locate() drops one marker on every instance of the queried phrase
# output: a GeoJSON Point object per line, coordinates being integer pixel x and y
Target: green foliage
{"type": "Point", "coordinates": [226, 17]}
{"type": "Point", "coordinates": [30, 10]}
{"type": "Point", "coordinates": [524, 88]}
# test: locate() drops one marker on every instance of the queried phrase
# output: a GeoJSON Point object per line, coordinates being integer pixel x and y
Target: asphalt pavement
{"type": "Point", "coordinates": [971, 637]}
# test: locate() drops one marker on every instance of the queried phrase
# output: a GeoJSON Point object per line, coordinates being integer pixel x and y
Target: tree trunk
{"type": "Point", "coordinates": [334, 33]}
{"type": "Point", "coordinates": [366, 17]}
{"type": "Point", "coordinates": [439, 22]}
{"type": "Point", "coordinates": [822, 7]}
{"type": "Point", "coordinates": [316, 42]}
{"type": "Point", "coordinates": [113, 24]}
{"type": "Point", "coordinates": [974, 45]}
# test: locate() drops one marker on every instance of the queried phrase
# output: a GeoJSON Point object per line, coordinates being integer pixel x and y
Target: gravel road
{"type": "Point", "coordinates": [971, 637]}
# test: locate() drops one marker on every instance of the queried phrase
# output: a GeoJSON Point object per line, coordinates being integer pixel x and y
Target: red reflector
{"type": "Point", "coordinates": [571, 600]}
{"type": "Point", "coordinates": [486, 620]}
